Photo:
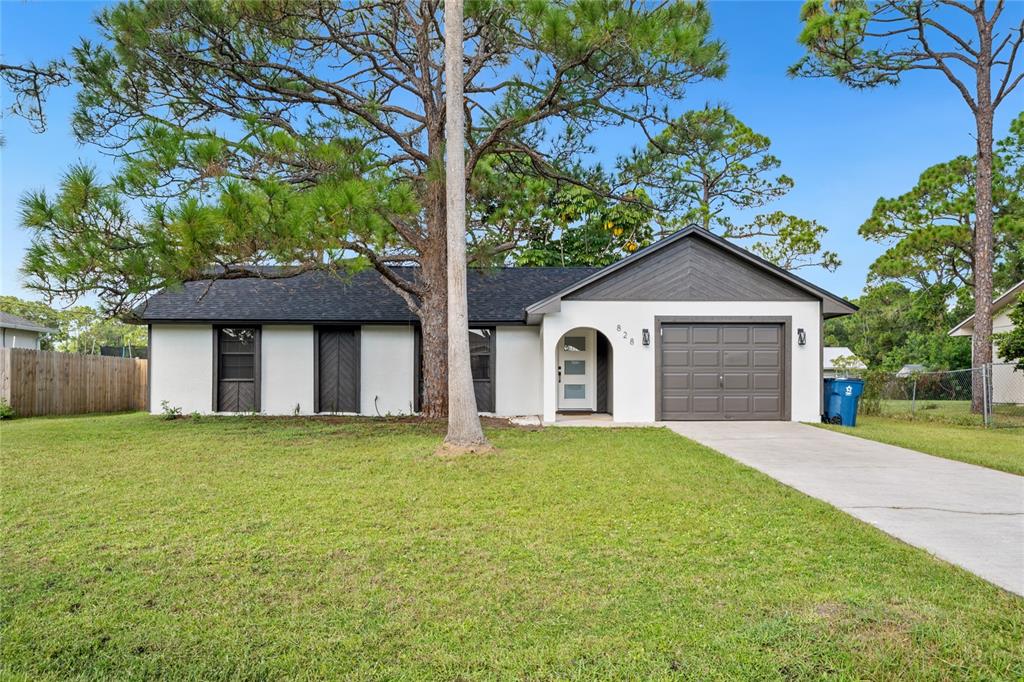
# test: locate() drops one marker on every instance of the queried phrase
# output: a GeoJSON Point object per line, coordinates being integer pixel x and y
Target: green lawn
{"type": "Point", "coordinates": [952, 411]}
{"type": "Point", "coordinates": [264, 549]}
{"type": "Point", "coordinates": [1001, 449]}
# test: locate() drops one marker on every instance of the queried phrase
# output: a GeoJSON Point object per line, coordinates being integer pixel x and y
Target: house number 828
{"type": "Point", "coordinates": [625, 334]}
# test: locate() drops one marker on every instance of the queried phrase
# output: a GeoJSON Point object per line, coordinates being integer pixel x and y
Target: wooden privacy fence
{"type": "Point", "coordinates": [38, 382]}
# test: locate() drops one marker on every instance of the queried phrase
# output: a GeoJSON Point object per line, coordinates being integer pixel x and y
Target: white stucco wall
{"type": "Point", "coordinates": [633, 368]}
{"type": "Point", "coordinates": [286, 369]}
{"type": "Point", "coordinates": [19, 338]}
{"type": "Point", "coordinates": [517, 373]}
{"type": "Point", "coordinates": [181, 371]}
{"type": "Point", "coordinates": [386, 370]}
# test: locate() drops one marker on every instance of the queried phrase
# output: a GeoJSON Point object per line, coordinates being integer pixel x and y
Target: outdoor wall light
{"type": "Point", "coordinates": [801, 337]}
{"type": "Point", "coordinates": [646, 337]}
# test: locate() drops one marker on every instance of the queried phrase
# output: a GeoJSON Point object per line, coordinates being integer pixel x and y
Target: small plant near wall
{"type": "Point", "coordinates": [168, 411]}
{"type": "Point", "coordinates": [6, 411]}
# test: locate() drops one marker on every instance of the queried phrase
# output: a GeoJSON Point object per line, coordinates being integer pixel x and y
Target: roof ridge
{"type": "Point", "coordinates": [495, 295]}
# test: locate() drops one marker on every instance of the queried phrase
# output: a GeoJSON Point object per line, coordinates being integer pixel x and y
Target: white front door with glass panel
{"type": "Point", "coordinates": [576, 359]}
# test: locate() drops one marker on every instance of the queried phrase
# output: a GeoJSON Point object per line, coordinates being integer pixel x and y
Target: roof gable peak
{"type": "Point", "coordinates": [767, 272]}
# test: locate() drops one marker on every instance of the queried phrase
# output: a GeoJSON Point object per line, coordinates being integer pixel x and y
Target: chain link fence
{"type": "Point", "coordinates": [992, 395]}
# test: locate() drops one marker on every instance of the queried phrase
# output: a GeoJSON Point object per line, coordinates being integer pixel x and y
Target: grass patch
{"type": "Point", "coordinates": [952, 412]}
{"type": "Point", "coordinates": [1001, 449]}
{"type": "Point", "coordinates": [265, 549]}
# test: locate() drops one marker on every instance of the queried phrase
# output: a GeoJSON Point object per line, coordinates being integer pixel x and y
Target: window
{"type": "Point", "coordinates": [575, 366]}
{"type": "Point", "coordinates": [481, 361]}
{"type": "Point", "coordinates": [575, 391]}
{"type": "Point", "coordinates": [575, 344]}
{"type": "Point", "coordinates": [237, 369]}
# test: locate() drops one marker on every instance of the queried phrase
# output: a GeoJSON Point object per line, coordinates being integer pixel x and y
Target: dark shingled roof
{"type": "Point", "coordinates": [495, 295]}
{"type": "Point", "coordinates": [9, 321]}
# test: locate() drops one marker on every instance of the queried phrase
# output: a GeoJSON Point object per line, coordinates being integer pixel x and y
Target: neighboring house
{"type": "Point", "coordinates": [849, 361]}
{"type": "Point", "coordinates": [1007, 383]}
{"type": "Point", "coordinates": [17, 332]}
{"type": "Point", "coordinates": [910, 370]}
{"type": "Point", "coordinates": [691, 327]}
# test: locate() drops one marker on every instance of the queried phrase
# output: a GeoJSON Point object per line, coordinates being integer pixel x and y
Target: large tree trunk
{"type": "Point", "coordinates": [434, 338]}
{"type": "Point", "coordinates": [433, 309]}
{"type": "Point", "coordinates": [464, 431]}
{"type": "Point", "coordinates": [981, 353]}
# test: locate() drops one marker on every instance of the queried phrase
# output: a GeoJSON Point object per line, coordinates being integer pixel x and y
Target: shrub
{"type": "Point", "coordinates": [168, 411]}
{"type": "Point", "coordinates": [6, 411]}
{"type": "Point", "coordinates": [874, 388]}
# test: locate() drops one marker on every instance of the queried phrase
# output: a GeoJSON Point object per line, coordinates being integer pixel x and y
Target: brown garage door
{"type": "Point", "coordinates": [721, 371]}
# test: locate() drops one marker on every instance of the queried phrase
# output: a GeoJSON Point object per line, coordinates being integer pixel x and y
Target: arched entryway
{"type": "Point", "coordinates": [584, 373]}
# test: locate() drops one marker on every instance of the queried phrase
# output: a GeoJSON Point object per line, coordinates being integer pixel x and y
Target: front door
{"type": "Point", "coordinates": [238, 363]}
{"type": "Point", "coordinates": [337, 369]}
{"type": "Point", "coordinates": [576, 365]}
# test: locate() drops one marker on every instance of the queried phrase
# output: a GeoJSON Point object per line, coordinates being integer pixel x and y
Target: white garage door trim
{"type": "Point", "coordinates": [787, 351]}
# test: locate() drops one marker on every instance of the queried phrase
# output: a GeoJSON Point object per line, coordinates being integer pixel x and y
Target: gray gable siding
{"type": "Point", "coordinates": [691, 269]}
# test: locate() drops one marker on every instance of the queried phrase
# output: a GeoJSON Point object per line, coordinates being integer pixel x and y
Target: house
{"type": "Point", "coordinates": [848, 362]}
{"type": "Point", "coordinates": [1007, 381]}
{"type": "Point", "coordinates": [910, 370]}
{"type": "Point", "coordinates": [691, 327]}
{"type": "Point", "coordinates": [17, 332]}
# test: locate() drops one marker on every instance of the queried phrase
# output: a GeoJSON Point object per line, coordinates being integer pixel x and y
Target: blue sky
{"type": "Point", "coordinates": [844, 148]}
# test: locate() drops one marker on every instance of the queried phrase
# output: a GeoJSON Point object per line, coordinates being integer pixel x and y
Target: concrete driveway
{"type": "Point", "coordinates": [968, 515]}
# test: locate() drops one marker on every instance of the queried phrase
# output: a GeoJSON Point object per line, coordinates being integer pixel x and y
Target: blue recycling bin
{"type": "Point", "coordinates": [841, 398]}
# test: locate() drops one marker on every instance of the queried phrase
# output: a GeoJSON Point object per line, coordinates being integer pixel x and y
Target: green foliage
{"type": "Point", "coordinates": [577, 226]}
{"type": "Point", "coordinates": [948, 227]}
{"type": "Point", "coordinates": [792, 242]}
{"type": "Point", "coordinates": [311, 135]}
{"type": "Point", "coordinates": [921, 286]}
{"type": "Point", "coordinates": [87, 236]}
{"type": "Point", "coordinates": [6, 411]}
{"type": "Point", "coordinates": [1011, 343]}
{"type": "Point", "coordinates": [708, 167]}
{"type": "Point", "coordinates": [168, 411]}
{"type": "Point", "coordinates": [897, 325]}
{"type": "Point", "coordinates": [704, 165]}
{"type": "Point", "coordinates": [875, 381]}
{"type": "Point", "coordinates": [847, 366]}
{"type": "Point", "coordinates": [838, 37]}
{"type": "Point", "coordinates": [929, 229]}
{"type": "Point", "coordinates": [80, 329]}
{"type": "Point", "coordinates": [866, 44]}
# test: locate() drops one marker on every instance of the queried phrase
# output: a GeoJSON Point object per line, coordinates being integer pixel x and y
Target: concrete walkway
{"type": "Point", "coordinates": [968, 515]}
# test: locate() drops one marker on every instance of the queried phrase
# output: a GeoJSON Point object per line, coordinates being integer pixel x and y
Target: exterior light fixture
{"type": "Point", "coordinates": [646, 337]}
{"type": "Point", "coordinates": [801, 337]}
